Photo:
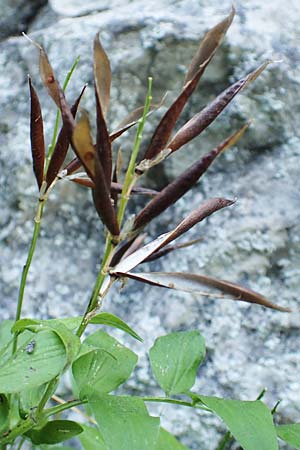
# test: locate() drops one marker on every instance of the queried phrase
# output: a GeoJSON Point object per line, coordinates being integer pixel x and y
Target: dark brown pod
{"type": "Point", "coordinates": [62, 145]}
{"type": "Point", "coordinates": [204, 55]}
{"type": "Point", "coordinates": [204, 118]}
{"type": "Point", "coordinates": [182, 184]}
{"type": "Point", "coordinates": [36, 136]}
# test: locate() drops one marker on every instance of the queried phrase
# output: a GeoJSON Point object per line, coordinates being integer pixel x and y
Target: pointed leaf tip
{"type": "Point", "coordinates": [196, 216]}
{"type": "Point", "coordinates": [102, 74]}
{"type": "Point", "coordinates": [205, 53]}
{"type": "Point", "coordinates": [193, 283]}
{"type": "Point", "coordinates": [185, 181]}
{"type": "Point", "coordinates": [197, 124]}
{"type": "Point", "coordinates": [209, 45]}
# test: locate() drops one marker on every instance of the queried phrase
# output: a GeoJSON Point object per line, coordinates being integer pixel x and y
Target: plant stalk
{"type": "Point", "coordinates": [224, 441]}
{"type": "Point", "coordinates": [60, 408]}
{"type": "Point", "coordinates": [174, 401]}
{"type": "Point", "coordinates": [130, 175]}
{"type": "Point", "coordinates": [46, 396]}
{"type": "Point", "coordinates": [93, 303]}
{"type": "Point", "coordinates": [36, 230]}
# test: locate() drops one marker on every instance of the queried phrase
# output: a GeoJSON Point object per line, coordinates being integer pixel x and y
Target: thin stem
{"type": "Point", "coordinates": [130, 176]}
{"type": "Point", "coordinates": [19, 430]}
{"type": "Point", "coordinates": [46, 396]}
{"type": "Point", "coordinates": [21, 443]}
{"type": "Point", "coordinates": [174, 401]}
{"type": "Point", "coordinates": [60, 401]}
{"type": "Point", "coordinates": [59, 408]}
{"type": "Point", "coordinates": [128, 184]}
{"type": "Point", "coordinates": [224, 441]}
{"type": "Point", "coordinates": [109, 247]}
{"type": "Point", "coordinates": [57, 119]}
{"type": "Point", "coordinates": [26, 267]}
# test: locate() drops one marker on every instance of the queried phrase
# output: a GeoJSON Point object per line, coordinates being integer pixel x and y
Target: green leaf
{"type": "Point", "coordinates": [37, 361]}
{"type": "Point", "coordinates": [250, 422]}
{"type": "Point", "coordinates": [4, 410]}
{"type": "Point", "coordinates": [114, 321]}
{"type": "Point", "coordinates": [90, 436]}
{"type": "Point", "coordinates": [290, 434]}
{"type": "Point", "coordinates": [30, 398]}
{"type": "Point", "coordinates": [5, 332]}
{"type": "Point", "coordinates": [175, 359]}
{"type": "Point", "coordinates": [54, 432]}
{"type": "Point", "coordinates": [70, 340]}
{"type": "Point", "coordinates": [106, 366]}
{"type": "Point", "coordinates": [24, 324]}
{"type": "Point", "coordinates": [56, 447]}
{"type": "Point", "coordinates": [167, 441]}
{"type": "Point", "coordinates": [124, 422]}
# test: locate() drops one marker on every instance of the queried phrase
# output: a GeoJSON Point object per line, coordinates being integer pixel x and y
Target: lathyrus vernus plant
{"type": "Point", "coordinates": [36, 353]}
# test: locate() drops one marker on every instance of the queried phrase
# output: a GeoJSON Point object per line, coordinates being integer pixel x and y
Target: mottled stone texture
{"type": "Point", "coordinates": [256, 242]}
{"type": "Point", "coordinates": [16, 15]}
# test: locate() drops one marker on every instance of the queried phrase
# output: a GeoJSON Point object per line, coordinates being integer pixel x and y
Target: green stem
{"type": "Point", "coordinates": [128, 184]}
{"type": "Point", "coordinates": [47, 394]}
{"type": "Point", "coordinates": [56, 126]}
{"type": "Point", "coordinates": [130, 175]}
{"type": "Point", "coordinates": [93, 303]}
{"type": "Point", "coordinates": [224, 441]}
{"type": "Point", "coordinates": [174, 401]}
{"type": "Point", "coordinates": [26, 267]}
{"type": "Point", "coordinates": [59, 408]}
{"type": "Point", "coordinates": [19, 430]}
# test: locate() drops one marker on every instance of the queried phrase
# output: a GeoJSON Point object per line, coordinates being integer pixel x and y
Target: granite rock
{"type": "Point", "coordinates": [255, 242]}
{"type": "Point", "coordinates": [16, 15]}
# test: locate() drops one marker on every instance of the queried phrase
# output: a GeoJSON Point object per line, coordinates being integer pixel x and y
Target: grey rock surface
{"type": "Point", "coordinates": [256, 242]}
{"type": "Point", "coordinates": [16, 15]}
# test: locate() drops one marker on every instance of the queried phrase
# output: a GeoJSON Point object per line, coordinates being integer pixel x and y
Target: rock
{"type": "Point", "coordinates": [255, 242]}
{"type": "Point", "coordinates": [16, 15]}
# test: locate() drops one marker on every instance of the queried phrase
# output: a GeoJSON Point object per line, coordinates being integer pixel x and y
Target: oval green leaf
{"type": "Point", "coordinates": [106, 366]}
{"type": "Point", "coordinates": [69, 339]}
{"type": "Point", "coordinates": [124, 422]}
{"type": "Point", "coordinates": [38, 360]}
{"type": "Point", "coordinates": [250, 422]}
{"type": "Point", "coordinates": [55, 432]}
{"type": "Point", "coordinates": [290, 434]}
{"type": "Point", "coordinates": [175, 359]}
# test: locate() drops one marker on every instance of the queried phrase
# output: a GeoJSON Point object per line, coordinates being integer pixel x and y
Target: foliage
{"type": "Point", "coordinates": [36, 353]}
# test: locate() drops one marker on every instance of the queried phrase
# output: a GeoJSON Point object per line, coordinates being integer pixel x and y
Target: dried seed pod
{"type": "Point", "coordinates": [36, 136]}
{"type": "Point", "coordinates": [193, 283]}
{"type": "Point", "coordinates": [102, 74]}
{"type": "Point", "coordinates": [182, 184]}
{"type": "Point", "coordinates": [209, 45]}
{"type": "Point", "coordinates": [62, 145]}
{"type": "Point", "coordinates": [204, 55]}
{"type": "Point", "coordinates": [83, 145]}
{"type": "Point", "coordinates": [204, 118]}
{"type": "Point", "coordinates": [72, 166]}
{"type": "Point", "coordinates": [170, 248]}
{"type": "Point", "coordinates": [102, 77]}
{"type": "Point", "coordinates": [206, 209]}
{"type": "Point", "coordinates": [102, 200]}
